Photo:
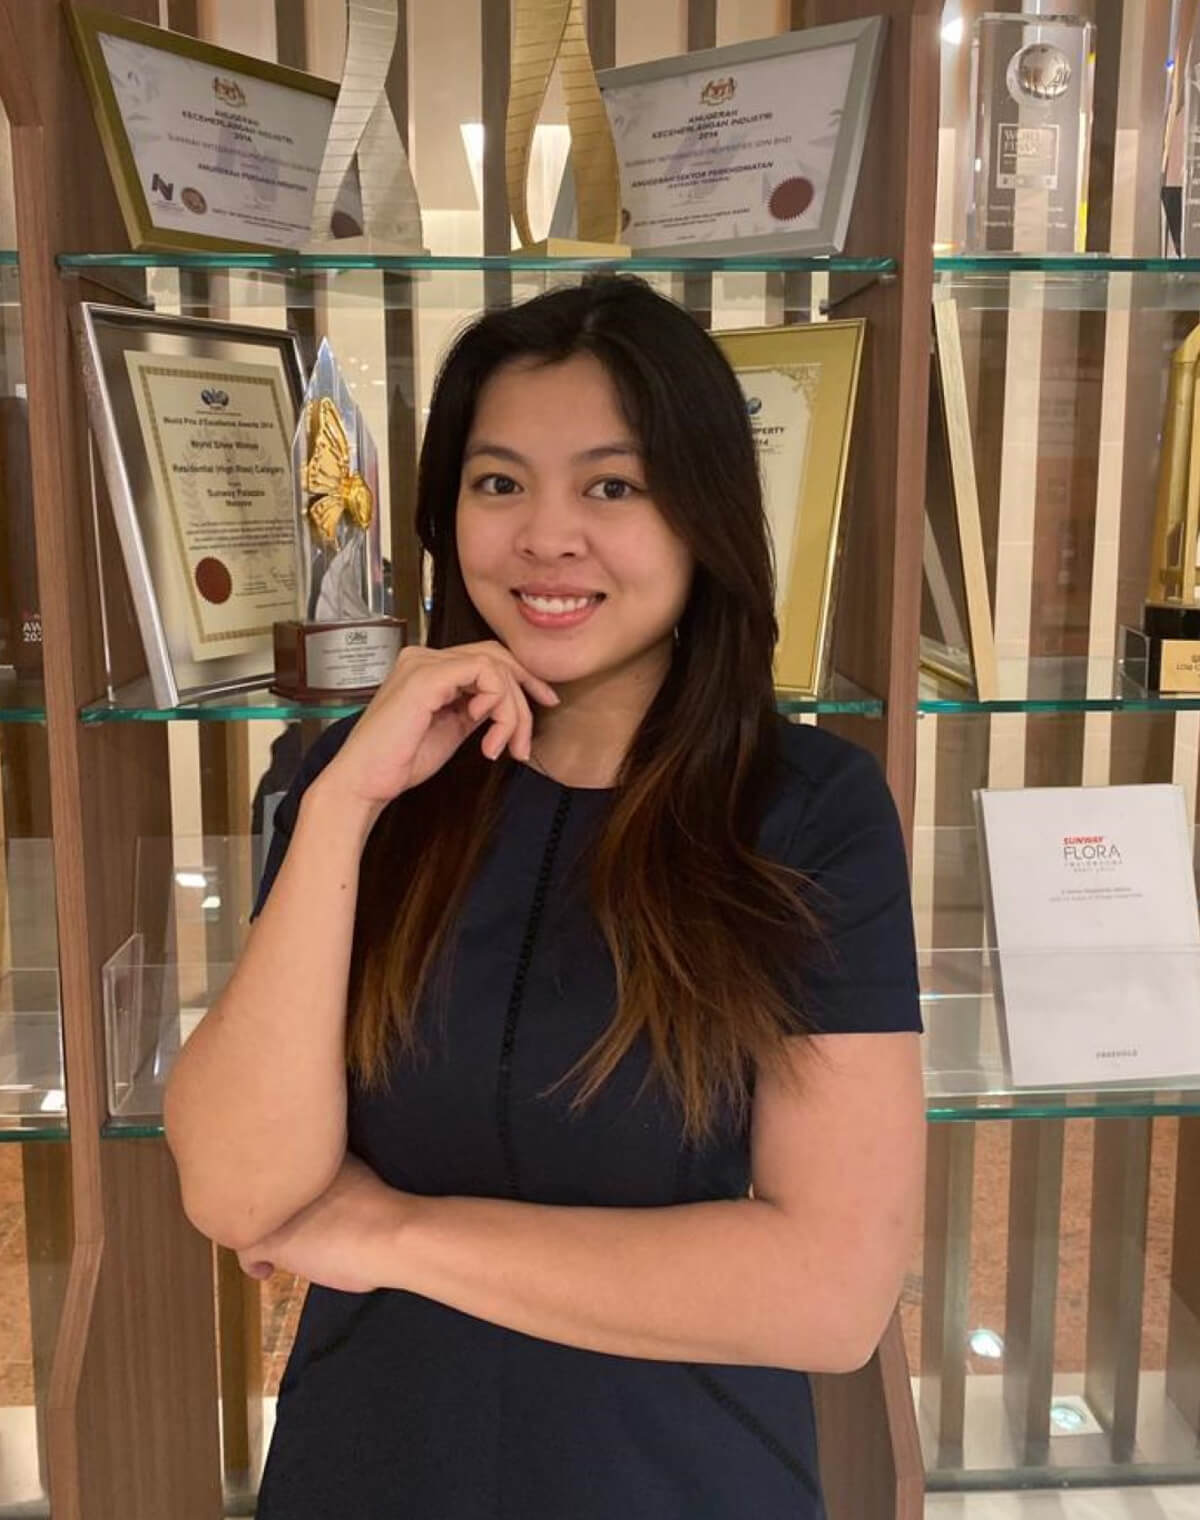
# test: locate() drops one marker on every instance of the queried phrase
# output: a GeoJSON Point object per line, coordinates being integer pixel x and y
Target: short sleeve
{"type": "Point", "coordinates": [285, 815]}
{"type": "Point", "coordinates": [860, 975]}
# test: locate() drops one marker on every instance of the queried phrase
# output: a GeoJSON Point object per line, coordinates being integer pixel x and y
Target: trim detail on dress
{"type": "Point", "coordinates": [517, 996]}
{"type": "Point", "coordinates": [734, 1407]}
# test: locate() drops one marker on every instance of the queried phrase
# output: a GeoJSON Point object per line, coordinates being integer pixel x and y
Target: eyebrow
{"type": "Point", "coordinates": [601, 451]}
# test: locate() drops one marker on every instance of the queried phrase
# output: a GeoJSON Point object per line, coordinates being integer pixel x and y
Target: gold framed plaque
{"type": "Point", "coordinates": [193, 422]}
{"type": "Point", "coordinates": [800, 385]}
{"type": "Point", "coordinates": [209, 150]}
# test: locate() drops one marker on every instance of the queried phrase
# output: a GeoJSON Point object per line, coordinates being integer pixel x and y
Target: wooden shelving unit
{"type": "Point", "coordinates": [132, 1402]}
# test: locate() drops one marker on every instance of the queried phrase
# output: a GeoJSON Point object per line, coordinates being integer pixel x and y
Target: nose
{"type": "Point", "coordinates": [550, 526]}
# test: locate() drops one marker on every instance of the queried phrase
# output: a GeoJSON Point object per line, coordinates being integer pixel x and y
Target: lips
{"type": "Point", "coordinates": [556, 609]}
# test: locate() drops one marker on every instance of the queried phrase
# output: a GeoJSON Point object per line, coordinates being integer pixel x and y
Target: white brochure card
{"type": "Point", "coordinates": [1093, 901]}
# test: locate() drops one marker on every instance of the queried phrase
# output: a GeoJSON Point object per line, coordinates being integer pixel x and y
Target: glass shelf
{"type": "Point", "coordinates": [135, 704]}
{"type": "Point", "coordinates": [21, 700]}
{"type": "Point", "coordinates": [1052, 684]}
{"type": "Point", "coordinates": [1067, 282]}
{"type": "Point", "coordinates": [966, 1074]}
{"type": "Point", "coordinates": [159, 984]}
{"type": "Point", "coordinates": [332, 263]}
{"type": "Point", "coordinates": [1058, 263]}
{"type": "Point", "coordinates": [269, 283]}
{"type": "Point", "coordinates": [32, 1093]}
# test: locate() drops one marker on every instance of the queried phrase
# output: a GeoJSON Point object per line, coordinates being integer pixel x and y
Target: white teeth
{"type": "Point", "coordinates": [556, 605]}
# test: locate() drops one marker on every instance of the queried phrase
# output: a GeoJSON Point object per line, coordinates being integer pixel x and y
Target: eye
{"type": "Point", "coordinates": [613, 488]}
{"type": "Point", "coordinates": [496, 485]}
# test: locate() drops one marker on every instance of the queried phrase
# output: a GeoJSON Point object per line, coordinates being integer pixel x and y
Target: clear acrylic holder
{"type": "Point", "coordinates": [1060, 999]}
{"type": "Point", "coordinates": [192, 904]}
{"type": "Point", "coordinates": [32, 1089]}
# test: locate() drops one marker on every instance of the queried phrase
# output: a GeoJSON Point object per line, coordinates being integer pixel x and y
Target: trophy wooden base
{"type": "Point", "coordinates": [572, 248]}
{"type": "Point", "coordinates": [330, 662]}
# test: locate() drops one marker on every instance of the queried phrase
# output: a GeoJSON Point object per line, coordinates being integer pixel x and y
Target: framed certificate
{"type": "Point", "coordinates": [800, 383]}
{"type": "Point", "coordinates": [209, 150]}
{"type": "Point", "coordinates": [194, 423]}
{"type": "Point", "coordinates": [750, 148]}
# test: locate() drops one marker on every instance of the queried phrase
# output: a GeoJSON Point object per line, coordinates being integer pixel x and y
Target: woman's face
{"type": "Point", "coordinates": [563, 551]}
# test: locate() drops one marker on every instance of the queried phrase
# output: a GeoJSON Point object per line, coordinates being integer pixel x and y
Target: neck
{"type": "Point", "coordinates": [583, 742]}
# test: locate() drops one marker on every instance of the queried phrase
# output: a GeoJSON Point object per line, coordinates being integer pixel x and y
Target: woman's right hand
{"type": "Point", "coordinates": [430, 702]}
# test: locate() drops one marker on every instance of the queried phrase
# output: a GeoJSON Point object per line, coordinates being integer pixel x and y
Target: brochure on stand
{"type": "Point", "coordinates": [1093, 910]}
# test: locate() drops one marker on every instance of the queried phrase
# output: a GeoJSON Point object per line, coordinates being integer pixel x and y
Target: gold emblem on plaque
{"type": "Point", "coordinates": [339, 490]}
{"type": "Point", "coordinates": [549, 32]}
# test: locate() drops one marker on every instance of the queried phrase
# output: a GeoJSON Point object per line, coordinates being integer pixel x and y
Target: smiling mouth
{"type": "Point", "coordinates": [553, 612]}
{"type": "Point", "coordinates": [558, 606]}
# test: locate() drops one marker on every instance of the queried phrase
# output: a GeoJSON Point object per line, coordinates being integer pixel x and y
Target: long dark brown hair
{"type": "Point", "coordinates": [701, 928]}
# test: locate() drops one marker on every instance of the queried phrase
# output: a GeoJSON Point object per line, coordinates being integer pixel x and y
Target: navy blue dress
{"type": "Point", "coordinates": [394, 1407]}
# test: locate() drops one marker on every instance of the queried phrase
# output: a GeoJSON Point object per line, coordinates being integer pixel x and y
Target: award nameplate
{"type": "Point", "coordinates": [343, 643]}
{"type": "Point", "coordinates": [1093, 906]}
{"type": "Point", "coordinates": [208, 149]}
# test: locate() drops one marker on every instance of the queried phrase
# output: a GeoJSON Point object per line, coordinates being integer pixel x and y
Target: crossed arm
{"type": "Point", "coordinates": [805, 1274]}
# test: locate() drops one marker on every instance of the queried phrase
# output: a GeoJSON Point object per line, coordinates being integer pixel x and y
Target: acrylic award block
{"type": "Point", "coordinates": [1031, 106]}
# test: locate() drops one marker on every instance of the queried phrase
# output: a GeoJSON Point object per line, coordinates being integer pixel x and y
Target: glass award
{"type": "Point", "coordinates": [342, 643]}
{"type": "Point", "coordinates": [1031, 103]}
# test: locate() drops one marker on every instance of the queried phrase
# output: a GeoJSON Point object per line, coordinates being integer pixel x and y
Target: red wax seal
{"type": "Point", "coordinates": [213, 581]}
{"type": "Point", "coordinates": [790, 198]}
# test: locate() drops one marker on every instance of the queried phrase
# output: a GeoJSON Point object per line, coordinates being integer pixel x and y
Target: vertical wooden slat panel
{"type": "Point", "coordinates": [400, 295]}
{"type": "Point", "coordinates": [1117, 1277]}
{"type": "Point", "coordinates": [945, 1289]}
{"type": "Point", "coordinates": [878, 618]}
{"type": "Point", "coordinates": [290, 40]}
{"type": "Point", "coordinates": [602, 32]}
{"type": "Point", "coordinates": [132, 1408]}
{"type": "Point", "coordinates": [1035, 1185]}
{"type": "Point", "coordinates": [1183, 1325]}
{"type": "Point", "coordinates": [696, 289]}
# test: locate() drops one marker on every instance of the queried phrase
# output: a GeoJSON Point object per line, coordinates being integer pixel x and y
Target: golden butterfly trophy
{"type": "Point", "coordinates": [343, 641]}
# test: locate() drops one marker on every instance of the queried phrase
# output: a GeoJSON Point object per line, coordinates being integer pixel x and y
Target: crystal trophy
{"type": "Point", "coordinates": [343, 643]}
{"type": "Point", "coordinates": [1031, 103]}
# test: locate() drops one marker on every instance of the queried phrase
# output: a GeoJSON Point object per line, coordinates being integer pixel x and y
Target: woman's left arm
{"type": "Point", "coordinates": [805, 1274]}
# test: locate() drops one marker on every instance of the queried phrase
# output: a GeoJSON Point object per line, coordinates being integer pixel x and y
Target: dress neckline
{"type": "Point", "coordinates": [542, 779]}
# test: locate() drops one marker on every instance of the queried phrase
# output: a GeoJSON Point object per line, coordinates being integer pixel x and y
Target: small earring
{"type": "Point", "coordinates": [675, 635]}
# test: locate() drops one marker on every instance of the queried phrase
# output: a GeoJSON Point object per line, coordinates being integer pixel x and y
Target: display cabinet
{"type": "Point", "coordinates": [1052, 1320]}
{"type": "Point", "coordinates": [132, 1400]}
{"type": "Point", "coordinates": [35, 1202]}
{"type": "Point", "coordinates": [1053, 1324]}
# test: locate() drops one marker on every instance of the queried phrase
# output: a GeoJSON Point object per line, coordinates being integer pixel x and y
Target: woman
{"type": "Point", "coordinates": [528, 1012]}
